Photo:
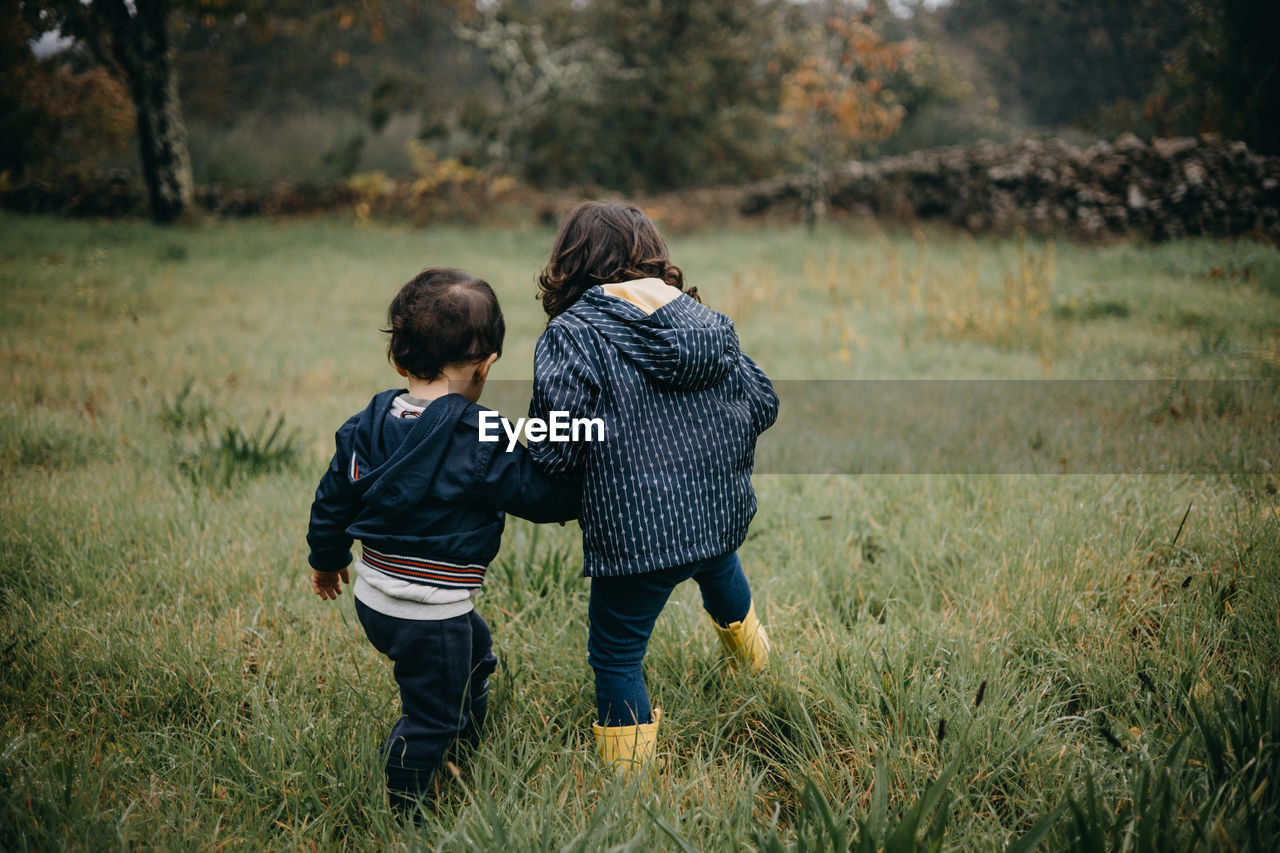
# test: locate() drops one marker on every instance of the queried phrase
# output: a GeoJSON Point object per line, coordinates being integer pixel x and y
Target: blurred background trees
{"type": "Point", "coordinates": [599, 95]}
{"type": "Point", "coordinates": [57, 117]}
{"type": "Point", "coordinates": [840, 99]}
{"type": "Point", "coordinates": [1151, 66]}
{"type": "Point", "coordinates": [1071, 61]}
{"type": "Point", "coordinates": [131, 40]}
{"type": "Point", "coordinates": [635, 96]}
{"type": "Point", "coordinates": [1225, 75]}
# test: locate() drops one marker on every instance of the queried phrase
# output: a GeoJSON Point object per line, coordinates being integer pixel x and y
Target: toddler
{"type": "Point", "coordinates": [412, 481]}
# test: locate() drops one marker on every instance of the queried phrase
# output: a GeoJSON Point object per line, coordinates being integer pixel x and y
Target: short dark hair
{"type": "Point", "coordinates": [443, 317]}
{"type": "Point", "coordinates": [600, 243]}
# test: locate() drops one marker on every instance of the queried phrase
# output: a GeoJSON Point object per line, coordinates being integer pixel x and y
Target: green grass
{"type": "Point", "coordinates": [167, 679]}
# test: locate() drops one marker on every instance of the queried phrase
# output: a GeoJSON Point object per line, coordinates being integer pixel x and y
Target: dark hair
{"type": "Point", "coordinates": [443, 317]}
{"type": "Point", "coordinates": [601, 243]}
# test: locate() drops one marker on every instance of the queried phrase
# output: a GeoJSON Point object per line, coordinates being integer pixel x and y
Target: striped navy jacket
{"type": "Point", "coordinates": [425, 497]}
{"type": "Point", "coordinates": [682, 407]}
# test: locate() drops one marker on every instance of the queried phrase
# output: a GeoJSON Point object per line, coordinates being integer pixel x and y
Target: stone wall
{"type": "Point", "coordinates": [1163, 188]}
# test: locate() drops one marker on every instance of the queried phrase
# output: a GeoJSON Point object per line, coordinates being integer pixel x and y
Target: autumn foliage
{"type": "Point", "coordinates": [839, 99]}
{"type": "Point", "coordinates": [56, 121]}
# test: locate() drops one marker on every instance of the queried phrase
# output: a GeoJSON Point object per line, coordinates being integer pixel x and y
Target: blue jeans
{"type": "Point", "coordinates": [442, 668]}
{"type": "Point", "coordinates": [622, 613]}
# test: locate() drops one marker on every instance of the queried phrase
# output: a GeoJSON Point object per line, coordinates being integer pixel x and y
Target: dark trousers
{"type": "Point", "coordinates": [442, 667]}
{"type": "Point", "coordinates": [622, 612]}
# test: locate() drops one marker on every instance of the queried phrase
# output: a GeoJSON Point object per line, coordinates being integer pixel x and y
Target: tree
{"type": "Point", "coordinates": [57, 120]}
{"type": "Point", "coordinates": [543, 91]}
{"type": "Point", "coordinates": [379, 56]}
{"type": "Point", "coordinates": [57, 117]}
{"type": "Point", "coordinates": [1156, 66]}
{"type": "Point", "coordinates": [1225, 76]}
{"type": "Point", "coordinates": [838, 100]}
{"type": "Point", "coordinates": [637, 96]}
{"type": "Point", "coordinates": [132, 38]}
{"type": "Point", "coordinates": [696, 107]}
{"type": "Point", "coordinates": [1071, 61]}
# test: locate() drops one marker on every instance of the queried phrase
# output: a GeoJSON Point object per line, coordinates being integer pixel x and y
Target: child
{"type": "Point", "coordinates": [413, 482]}
{"type": "Point", "coordinates": [667, 496]}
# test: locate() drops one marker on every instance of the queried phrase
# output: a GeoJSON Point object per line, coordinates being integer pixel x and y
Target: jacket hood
{"type": "Point", "coordinates": [676, 341]}
{"type": "Point", "coordinates": [411, 457]}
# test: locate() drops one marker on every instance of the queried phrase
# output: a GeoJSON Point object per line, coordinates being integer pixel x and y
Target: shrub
{"type": "Point", "coordinates": [220, 459]}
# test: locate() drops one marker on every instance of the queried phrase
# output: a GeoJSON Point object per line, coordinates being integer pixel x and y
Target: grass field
{"type": "Point", "coordinates": [1087, 660]}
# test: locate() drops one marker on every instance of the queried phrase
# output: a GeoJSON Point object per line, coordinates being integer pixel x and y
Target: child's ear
{"type": "Point", "coordinates": [400, 369]}
{"type": "Point", "coordinates": [482, 368]}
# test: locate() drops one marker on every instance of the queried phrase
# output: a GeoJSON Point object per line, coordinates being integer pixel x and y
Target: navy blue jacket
{"type": "Point", "coordinates": [682, 407]}
{"type": "Point", "coordinates": [425, 497]}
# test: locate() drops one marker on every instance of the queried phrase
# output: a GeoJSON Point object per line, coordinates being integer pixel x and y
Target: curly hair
{"type": "Point", "coordinates": [600, 243]}
{"type": "Point", "coordinates": [443, 317]}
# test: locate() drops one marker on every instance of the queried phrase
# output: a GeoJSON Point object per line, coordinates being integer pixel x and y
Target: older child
{"type": "Point", "coordinates": [412, 480]}
{"type": "Point", "coordinates": [667, 495]}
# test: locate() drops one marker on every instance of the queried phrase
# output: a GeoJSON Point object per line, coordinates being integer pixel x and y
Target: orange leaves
{"type": "Point", "coordinates": [367, 13]}
{"type": "Point", "coordinates": [840, 95]}
{"type": "Point", "coordinates": [866, 49]}
{"type": "Point", "coordinates": [73, 119]}
{"type": "Point", "coordinates": [838, 98]}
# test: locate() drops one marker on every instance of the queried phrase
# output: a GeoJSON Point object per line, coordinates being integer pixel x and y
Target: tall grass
{"type": "Point", "coordinates": [168, 681]}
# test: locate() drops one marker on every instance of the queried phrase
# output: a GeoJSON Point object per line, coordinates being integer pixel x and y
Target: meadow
{"type": "Point", "coordinates": [964, 658]}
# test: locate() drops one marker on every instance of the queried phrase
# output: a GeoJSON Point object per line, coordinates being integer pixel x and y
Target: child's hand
{"type": "Point", "coordinates": [326, 583]}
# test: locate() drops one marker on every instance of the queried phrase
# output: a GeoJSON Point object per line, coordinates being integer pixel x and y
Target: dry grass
{"type": "Point", "coordinates": [166, 679]}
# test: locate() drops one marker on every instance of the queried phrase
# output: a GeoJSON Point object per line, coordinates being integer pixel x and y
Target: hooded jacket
{"type": "Point", "coordinates": [425, 497]}
{"type": "Point", "coordinates": [682, 407]}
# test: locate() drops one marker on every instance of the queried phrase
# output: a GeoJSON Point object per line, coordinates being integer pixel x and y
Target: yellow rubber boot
{"type": "Point", "coordinates": [745, 641]}
{"type": "Point", "coordinates": [627, 749]}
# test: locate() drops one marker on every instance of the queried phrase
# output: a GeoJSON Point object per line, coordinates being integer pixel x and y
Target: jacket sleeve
{"type": "Point", "coordinates": [761, 398]}
{"type": "Point", "coordinates": [511, 483]}
{"type": "Point", "coordinates": [334, 509]}
{"type": "Point", "coordinates": [563, 381]}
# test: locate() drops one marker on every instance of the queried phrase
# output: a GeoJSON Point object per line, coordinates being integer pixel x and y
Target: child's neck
{"type": "Point", "coordinates": [423, 390]}
{"type": "Point", "coordinates": [464, 382]}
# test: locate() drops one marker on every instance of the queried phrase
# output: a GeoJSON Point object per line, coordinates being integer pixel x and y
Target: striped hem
{"type": "Point", "coordinates": [422, 570]}
{"type": "Point", "coordinates": [403, 608]}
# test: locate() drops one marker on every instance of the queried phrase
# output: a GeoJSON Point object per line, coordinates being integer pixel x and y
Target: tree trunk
{"type": "Point", "coordinates": [141, 46]}
{"type": "Point", "coordinates": [815, 207]}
